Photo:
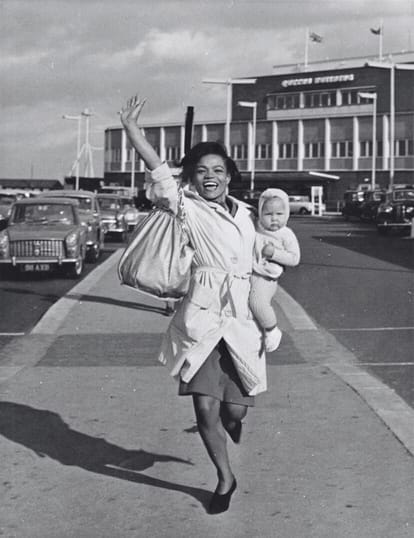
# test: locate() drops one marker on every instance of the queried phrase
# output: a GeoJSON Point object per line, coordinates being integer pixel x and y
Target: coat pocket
{"type": "Point", "coordinates": [199, 315]}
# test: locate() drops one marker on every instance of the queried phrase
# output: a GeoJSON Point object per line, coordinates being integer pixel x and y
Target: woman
{"type": "Point", "coordinates": [213, 343]}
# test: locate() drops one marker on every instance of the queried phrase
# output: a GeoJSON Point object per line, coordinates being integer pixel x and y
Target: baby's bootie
{"type": "Point", "coordinates": [272, 339]}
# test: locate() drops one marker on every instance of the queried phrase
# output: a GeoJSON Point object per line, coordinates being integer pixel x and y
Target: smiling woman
{"type": "Point", "coordinates": [213, 345]}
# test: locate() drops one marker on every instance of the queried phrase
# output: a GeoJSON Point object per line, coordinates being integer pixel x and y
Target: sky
{"type": "Point", "coordinates": [63, 56]}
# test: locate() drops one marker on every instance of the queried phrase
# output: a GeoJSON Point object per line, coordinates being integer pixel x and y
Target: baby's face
{"type": "Point", "coordinates": [273, 214]}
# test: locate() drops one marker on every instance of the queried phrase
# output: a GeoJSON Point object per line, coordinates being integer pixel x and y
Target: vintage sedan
{"type": "Point", "coordinates": [369, 208]}
{"type": "Point", "coordinates": [113, 215]}
{"type": "Point", "coordinates": [130, 211]}
{"type": "Point", "coordinates": [397, 211]}
{"type": "Point", "coordinates": [44, 234]}
{"type": "Point", "coordinates": [302, 205]}
{"type": "Point", "coordinates": [90, 216]}
{"type": "Point", "coordinates": [353, 200]}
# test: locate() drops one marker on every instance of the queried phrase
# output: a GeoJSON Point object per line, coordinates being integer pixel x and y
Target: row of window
{"type": "Point", "coordinates": [315, 99]}
{"type": "Point", "coordinates": [315, 150]}
{"type": "Point", "coordinates": [289, 150]}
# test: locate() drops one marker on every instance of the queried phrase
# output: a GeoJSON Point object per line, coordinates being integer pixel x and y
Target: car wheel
{"type": "Point", "coordinates": [94, 253]}
{"type": "Point", "coordinates": [76, 269]}
{"type": "Point", "coordinates": [303, 211]}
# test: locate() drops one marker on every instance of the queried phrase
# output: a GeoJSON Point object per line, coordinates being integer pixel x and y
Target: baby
{"type": "Point", "coordinates": [276, 246]}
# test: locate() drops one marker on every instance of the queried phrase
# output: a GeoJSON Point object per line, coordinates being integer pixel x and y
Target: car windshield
{"type": "Point", "coordinates": [85, 203]}
{"type": "Point", "coordinates": [7, 199]}
{"type": "Point", "coordinates": [127, 203]}
{"type": "Point", "coordinates": [109, 203]}
{"type": "Point", "coordinates": [43, 213]}
{"type": "Point", "coordinates": [404, 195]}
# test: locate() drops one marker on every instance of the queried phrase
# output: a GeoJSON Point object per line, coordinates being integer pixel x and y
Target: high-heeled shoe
{"type": "Point", "coordinates": [220, 502]}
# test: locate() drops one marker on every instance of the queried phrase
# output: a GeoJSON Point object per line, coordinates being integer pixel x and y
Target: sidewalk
{"type": "Point", "coordinates": [95, 442]}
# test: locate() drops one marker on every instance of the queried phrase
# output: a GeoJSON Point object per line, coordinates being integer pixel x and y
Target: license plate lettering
{"type": "Point", "coordinates": [36, 267]}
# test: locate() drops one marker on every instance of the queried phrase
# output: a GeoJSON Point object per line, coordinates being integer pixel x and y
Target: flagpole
{"type": "Point", "coordinates": [306, 46]}
{"type": "Point", "coordinates": [380, 39]}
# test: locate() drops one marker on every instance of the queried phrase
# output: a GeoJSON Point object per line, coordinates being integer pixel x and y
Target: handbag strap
{"type": "Point", "coordinates": [181, 214]}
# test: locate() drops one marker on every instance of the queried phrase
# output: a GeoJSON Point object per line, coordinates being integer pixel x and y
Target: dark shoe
{"type": "Point", "coordinates": [235, 433]}
{"type": "Point", "coordinates": [220, 502]}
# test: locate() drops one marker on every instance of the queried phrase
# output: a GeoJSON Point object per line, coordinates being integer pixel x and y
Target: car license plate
{"type": "Point", "coordinates": [35, 267]}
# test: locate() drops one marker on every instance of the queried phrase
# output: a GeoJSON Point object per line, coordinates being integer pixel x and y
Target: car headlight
{"type": "Point", "coordinates": [72, 242]}
{"type": "Point", "coordinates": [386, 209]}
{"type": "Point", "coordinates": [4, 244]}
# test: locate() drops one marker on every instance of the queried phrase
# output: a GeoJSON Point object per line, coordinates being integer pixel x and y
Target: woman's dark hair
{"type": "Point", "coordinates": [192, 158]}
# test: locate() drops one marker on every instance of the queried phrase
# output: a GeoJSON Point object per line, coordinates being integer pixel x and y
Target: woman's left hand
{"type": "Point", "coordinates": [130, 113]}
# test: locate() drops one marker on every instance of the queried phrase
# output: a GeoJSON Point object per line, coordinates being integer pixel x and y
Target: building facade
{"type": "Point", "coordinates": [314, 126]}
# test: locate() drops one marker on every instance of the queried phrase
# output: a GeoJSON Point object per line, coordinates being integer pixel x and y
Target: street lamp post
{"type": "Point", "coordinates": [78, 148]}
{"type": "Point", "coordinates": [229, 83]}
{"type": "Point", "coordinates": [132, 171]}
{"type": "Point", "coordinates": [89, 171]}
{"type": "Point", "coordinates": [253, 105]}
{"type": "Point", "coordinates": [372, 96]}
{"type": "Point", "coordinates": [392, 67]}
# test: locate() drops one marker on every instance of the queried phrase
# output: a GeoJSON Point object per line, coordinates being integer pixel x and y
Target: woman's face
{"type": "Point", "coordinates": [211, 178]}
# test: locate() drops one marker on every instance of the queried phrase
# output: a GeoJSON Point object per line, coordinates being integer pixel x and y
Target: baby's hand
{"type": "Point", "coordinates": [268, 250]}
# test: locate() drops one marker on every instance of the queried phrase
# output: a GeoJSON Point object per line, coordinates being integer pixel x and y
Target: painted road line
{"type": "Point", "coordinates": [396, 414]}
{"type": "Point", "coordinates": [54, 317]}
{"type": "Point", "coordinates": [386, 363]}
{"type": "Point", "coordinates": [12, 334]}
{"type": "Point", "coordinates": [368, 329]}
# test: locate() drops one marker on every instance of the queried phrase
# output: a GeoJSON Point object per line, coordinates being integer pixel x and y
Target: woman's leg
{"type": "Point", "coordinates": [207, 410]}
{"type": "Point", "coordinates": [231, 416]}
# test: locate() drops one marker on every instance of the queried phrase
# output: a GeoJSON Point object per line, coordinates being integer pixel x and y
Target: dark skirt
{"type": "Point", "coordinates": [218, 377]}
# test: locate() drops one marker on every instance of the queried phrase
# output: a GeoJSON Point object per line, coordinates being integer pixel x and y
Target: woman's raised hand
{"type": "Point", "coordinates": [130, 113]}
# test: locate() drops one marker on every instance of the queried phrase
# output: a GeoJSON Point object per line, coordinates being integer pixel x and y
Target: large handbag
{"type": "Point", "coordinates": [158, 258]}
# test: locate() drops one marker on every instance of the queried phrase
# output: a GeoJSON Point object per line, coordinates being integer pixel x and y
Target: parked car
{"type": "Point", "coordinates": [353, 200]}
{"type": "Point", "coordinates": [113, 215]}
{"type": "Point", "coordinates": [130, 211]}
{"type": "Point", "coordinates": [42, 234]}
{"type": "Point", "coordinates": [90, 215]}
{"type": "Point", "coordinates": [397, 211]}
{"type": "Point", "coordinates": [371, 202]}
{"type": "Point", "coordinates": [7, 199]}
{"type": "Point", "coordinates": [302, 205]}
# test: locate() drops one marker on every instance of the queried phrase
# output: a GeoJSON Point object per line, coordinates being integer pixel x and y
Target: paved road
{"type": "Point", "coordinates": [359, 286]}
{"type": "Point", "coordinates": [353, 282]}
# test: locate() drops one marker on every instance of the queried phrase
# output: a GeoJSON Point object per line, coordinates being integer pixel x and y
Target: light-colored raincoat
{"type": "Point", "coordinates": [216, 305]}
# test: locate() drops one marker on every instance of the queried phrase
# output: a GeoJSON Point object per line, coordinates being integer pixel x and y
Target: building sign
{"type": "Point", "coordinates": [326, 79]}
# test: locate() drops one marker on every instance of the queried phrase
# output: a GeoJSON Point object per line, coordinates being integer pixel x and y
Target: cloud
{"type": "Point", "coordinates": [60, 56]}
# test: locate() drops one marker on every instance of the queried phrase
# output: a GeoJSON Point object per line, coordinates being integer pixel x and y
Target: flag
{"type": "Point", "coordinates": [376, 31]}
{"type": "Point", "coordinates": [316, 38]}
